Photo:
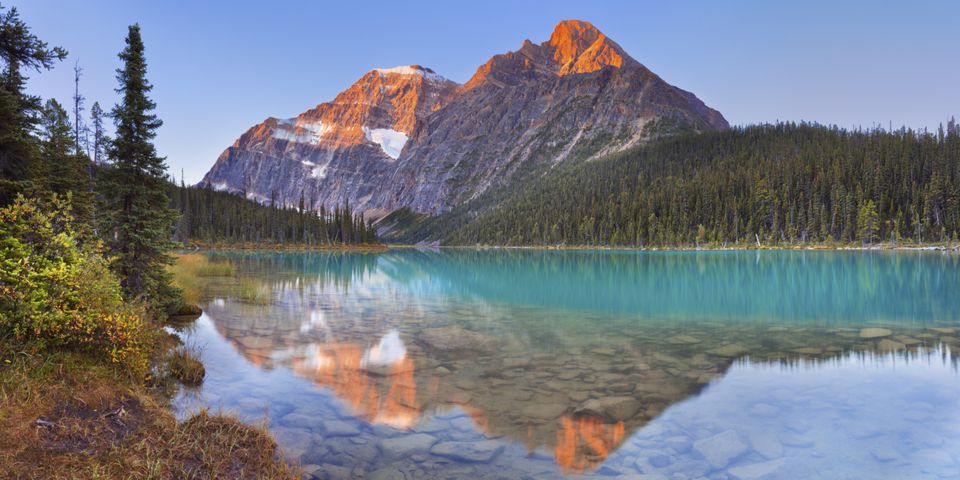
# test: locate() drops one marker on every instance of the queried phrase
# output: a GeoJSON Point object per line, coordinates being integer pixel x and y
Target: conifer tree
{"type": "Point", "coordinates": [19, 50]}
{"type": "Point", "coordinates": [867, 222]}
{"type": "Point", "coordinates": [80, 127]}
{"type": "Point", "coordinates": [98, 153]}
{"type": "Point", "coordinates": [138, 223]}
{"type": "Point", "coordinates": [60, 170]}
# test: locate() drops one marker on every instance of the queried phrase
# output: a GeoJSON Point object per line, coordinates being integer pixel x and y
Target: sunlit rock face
{"type": "Point", "coordinates": [407, 137]}
{"type": "Point", "coordinates": [335, 152]}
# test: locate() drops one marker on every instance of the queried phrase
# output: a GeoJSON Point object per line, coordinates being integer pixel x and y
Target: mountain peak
{"type": "Point", "coordinates": [575, 46]}
{"type": "Point", "coordinates": [573, 35]}
{"type": "Point", "coordinates": [579, 47]}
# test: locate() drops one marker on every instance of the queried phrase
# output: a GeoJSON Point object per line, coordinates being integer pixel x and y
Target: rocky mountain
{"type": "Point", "coordinates": [407, 137]}
{"type": "Point", "coordinates": [338, 151]}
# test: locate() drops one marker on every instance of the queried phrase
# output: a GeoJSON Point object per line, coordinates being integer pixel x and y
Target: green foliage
{"type": "Point", "coordinates": [56, 292]}
{"type": "Point", "coordinates": [210, 216]}
{"type": "Point", "coordinates": [19, 50]}
{"type": "Point", "coordinates": [781, 184]}
{"type": "Point", "coordinates": [134, 216]}
{"type": "Point", "coordinates": [61, 170]}
{"type": "Point", "coordinates": [867, 222]}
{"type": "Point", "coordinates": [100, 138]}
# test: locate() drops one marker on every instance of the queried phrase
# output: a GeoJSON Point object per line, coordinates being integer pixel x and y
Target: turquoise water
{"type": "Point", "coordinates": [549, 364]}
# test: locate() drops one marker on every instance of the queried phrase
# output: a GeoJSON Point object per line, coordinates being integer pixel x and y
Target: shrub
{"type": "Point", "coordinates": [57, 291]}
{"type": "Point", "coordinates": [186, 367]}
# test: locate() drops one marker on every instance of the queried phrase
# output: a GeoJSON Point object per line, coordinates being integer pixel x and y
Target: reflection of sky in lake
{"type": "Point", "coordinates": [858, 416]}
{"type": "Point", "coordinates": [757, 361]}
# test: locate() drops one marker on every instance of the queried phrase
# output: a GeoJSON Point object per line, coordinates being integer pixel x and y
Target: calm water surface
{"type": "Point", "coordinates": [537, 364]}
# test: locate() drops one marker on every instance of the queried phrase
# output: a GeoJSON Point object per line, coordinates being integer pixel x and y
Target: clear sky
{"type": "Point", "coordinates": [219, 67]}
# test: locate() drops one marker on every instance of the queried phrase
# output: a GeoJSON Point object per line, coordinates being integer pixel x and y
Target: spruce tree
{"type": "Point", "coordinates": [80, 128]}
{"type": "Point", "coordinates": [867, 222]}
{"type": "Point", "coordinates": [60, 170]}
{"type": "Point", "coordinates": [19, 50]}
{"type": "Point", "coordinates": [137, 221]}
{"type": "Point", "coordinates": [98, 151]}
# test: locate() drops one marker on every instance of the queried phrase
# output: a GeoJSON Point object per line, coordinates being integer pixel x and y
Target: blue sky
{"type": "Point", "coordinates": [220, 67]}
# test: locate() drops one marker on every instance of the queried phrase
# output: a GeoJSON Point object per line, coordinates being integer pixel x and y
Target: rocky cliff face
{"type": "Point", "coordinates": [338, 151]}
{"type": "Point", "coordinates": [406, 137]}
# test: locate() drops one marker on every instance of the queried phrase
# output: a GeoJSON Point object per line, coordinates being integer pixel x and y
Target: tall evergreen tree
{"type": "Point", "coordinates": [868, 222]}
{"type": "Point", "coordinates": [80, 127]}
{"type": "Point", "coordinates": [98, 149]}
{"type": "Point", "coordinates": [138, 223]}
{"type": "Point", "coordinates": [19, 50]}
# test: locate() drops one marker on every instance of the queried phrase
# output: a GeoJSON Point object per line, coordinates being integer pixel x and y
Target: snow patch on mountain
{"type": "Point", "coordinates": [319, 172]}
{"type": "Point", "coordinates": [316, 171]}
{"type": "Point", "coordinates": [300, 132]}
{"type": "Point", "coordinates": [390, 141]}
{"type": "Point", "coordinates": [413, 70]}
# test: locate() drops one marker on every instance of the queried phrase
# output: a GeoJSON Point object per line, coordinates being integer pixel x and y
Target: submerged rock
{"type": "Point", "coordinates": [875, 332]}
{"type": "Point", "coordinates": [457, 339]}
{"type": "Point", "coordinates": [731, 350]}
{"type": "Point", "coordinates": [683, 340]}
{"type": "Point", "coordinates": [887, 345]}
{"type": "Point", "coordinates": [610, 408]}
{"type": "Point", "coordinates": [544, 411]}
{"type": "Point", "coordinates": [720, 449]}
{"type": "Point", "coordinates": [482, 451]}
{"type": "Point", "coordinates": [340, 428]}
{"type": "Point", "coordinates": [406, 445]}
{"type": "Point", "coordinates": [757, 471]}
{"type": "Point", "coordinates": [327, 471]}
{"type": "Point", "coordinates": [295, 442]}
{"type": "Point", "coordinates": [766, 444]}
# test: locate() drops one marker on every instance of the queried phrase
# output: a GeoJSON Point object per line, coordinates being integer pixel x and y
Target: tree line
{"type": "Point", "coordinates": [220, 217]}
{"type": "Point", "coordinates": [778, 184]}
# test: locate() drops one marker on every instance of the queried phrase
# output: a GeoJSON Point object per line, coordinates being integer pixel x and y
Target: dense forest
{"type": "Point", "coordinates": [769, 184]}
{"type": "Point", "coordinates": [219, 217]}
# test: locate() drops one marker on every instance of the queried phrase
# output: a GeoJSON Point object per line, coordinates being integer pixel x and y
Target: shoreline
{"type": "Point", "coordinates": [839, 248]}
{"type": "Point", "coordinates": [383, 247]}
{"type": "Point", "coordinates": [363, 247]}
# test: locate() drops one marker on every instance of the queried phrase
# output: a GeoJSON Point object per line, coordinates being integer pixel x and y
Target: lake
{"type": "Point", "coordinates": [496, 363]}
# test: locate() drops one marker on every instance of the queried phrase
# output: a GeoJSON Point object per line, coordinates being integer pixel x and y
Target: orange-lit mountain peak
{"type": "Point", "coordinates": [579, 47]}
{"type": "Point", "coordinates": [574, 46]}
{"type": "Point", "coordinates": [571, 37]}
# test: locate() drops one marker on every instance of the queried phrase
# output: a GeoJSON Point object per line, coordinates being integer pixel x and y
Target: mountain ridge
{"type": "Point", "coordinates": [407, 137]}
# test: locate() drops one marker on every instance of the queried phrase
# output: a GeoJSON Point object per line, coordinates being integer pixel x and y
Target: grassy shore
{"type": "Point", "coordinates": [69, 414]}
{"type": "Point", "coordinates": [66, 415]}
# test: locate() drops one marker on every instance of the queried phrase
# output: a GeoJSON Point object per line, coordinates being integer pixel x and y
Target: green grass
{"type": "Point", "coordinates": [186, 366]}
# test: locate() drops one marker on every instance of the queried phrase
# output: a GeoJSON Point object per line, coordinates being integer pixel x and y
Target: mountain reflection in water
{"type": "Point", "coordinates": [431, 368]}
